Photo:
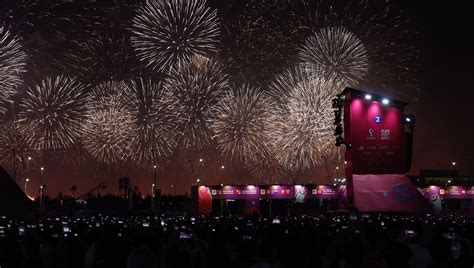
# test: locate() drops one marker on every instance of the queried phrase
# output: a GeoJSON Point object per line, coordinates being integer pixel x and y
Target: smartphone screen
{"type": "Point", "coordinates": [184, 235]}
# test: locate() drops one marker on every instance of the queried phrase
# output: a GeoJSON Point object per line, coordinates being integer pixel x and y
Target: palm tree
{"type": "Point", "coordinates": [73, 189]}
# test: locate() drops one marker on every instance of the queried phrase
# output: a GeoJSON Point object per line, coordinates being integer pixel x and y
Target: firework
{"type": "Point", "coordinates": [72, 157]}
{"type": "Point", "coordinates": [100, 58]}
{"type": "Point", "coordinates": [240, 125]}
{"type": "Point", "coordinates": [53, 113]}
{"type": "Point", "coordinates": [48, 27]}
{"type": "Point", "coordinates": [193, 90]}
{"type": "Point", "coordinates": [266, 168]}
{"type": "Point", "coordinates": [258, 41]}
{"type": "Point", "coordinates": [337, 54]}
{"type": "Point", "coordinates": [383, 30]}
{"type": "Point", "coordinates": [302, 129]}
{"type": "Point", "coordinates": [109, 134]}
{"type": "Point", "coordinates": [110, 93]}
{"type": "Point", "coordinates": [169, 31]}
{"type": "Point", "coordinates": [12, 63]}
{"type": "Point", "coordinates": [15, 150]}
{"type": "Point", "coordinates": [263, 38]}
{"type": "Point", "coordinates": [109, 131]}
{"type": "Point", "coordinates": [156, 136]}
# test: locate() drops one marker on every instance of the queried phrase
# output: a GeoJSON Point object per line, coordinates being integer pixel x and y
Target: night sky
{"type": "Point", "coordinates": [443, 131]}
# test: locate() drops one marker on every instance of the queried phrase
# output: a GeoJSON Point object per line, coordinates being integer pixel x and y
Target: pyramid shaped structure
{"type": "Point", "coordinates": [13, 201]}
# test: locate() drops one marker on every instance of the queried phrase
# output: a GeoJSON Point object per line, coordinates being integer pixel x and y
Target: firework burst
{"type": "Point", "coordinates": [48, 27]}
{"type": "Point", "coordinates": [109, 131]}
{"type": "Point", "coordinates": [12, 63]}
{"type": "Point", "coordinates": [156, 136]}
{"type": "Point", "coordinates": [240, 125]}
{"type": "Point", "coordinates": [262, 38]}
{"type": "Point", "coordinates": [382, 29]}
{"type": "Point", "coordinates": [301, 130]}
{"type": "Point", "coordinates": [101, 58]}
{"type": "Point", "coordinates": [72, 157]}
{"type": "Point", "coordinates": [193, 91]}
{"type": "Point", "coordinates": [337, 54]}
{"type": "Point", "coordinates": [170, 31]}
{"type": "Point", "coordinates": [266, 168]}
{"type": "Point", "coordinates": [53, 113]}
{"type": "Point", "coordinates": [110, 93]}
{"type": "Point", "coordinates": [108, 136]}
{"type": "Point", "coordinates": [15, 149]}
{"type": "Point", "coordinates": [258, 41]}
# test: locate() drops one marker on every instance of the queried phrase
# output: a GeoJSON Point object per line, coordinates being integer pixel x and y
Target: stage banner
{"type": "Point", "coordinates": [277, 192]}
{"type": "Point", "coordinates": [388, 192]}
{"type": "Point", "coordinates": [324, 192]}
{"type": "Point", "coordinates": [204, 200]}
{"type": "Point", "coordinates": [376, 133]}
{"type": "Point", "coordinates": [236, 192]}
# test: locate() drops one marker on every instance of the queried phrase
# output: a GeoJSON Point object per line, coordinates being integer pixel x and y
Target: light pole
{"type": "Point", "coordinates": [28, 163]}
{"type": "Point", "coordinates": [154, 176]}
{"type": "Point", "coordinates": [26, 185]}
{"type": "Point", "coordinates": [153, 189]}
{"type": "Point", "coordinates": [41, 198]}
{"type": "Point", "coordinates": [172, 187]}
{"type": "Point", "coordinates": [42, 172]}
{"type": "Point", "coordinates": [201, 161]}
{"type": "Point", "coordinates": [450, 168]}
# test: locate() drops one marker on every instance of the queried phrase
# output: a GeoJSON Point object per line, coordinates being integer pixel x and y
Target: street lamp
{"type": "Point", "coordinates": [41, 197]}
{"type": "Point", "coordinates": [26, 185]}
{"type": "Point", "coordinates": [172, 187]}
{"type": "Point", "coordinates": [154, 175]}
{"type": "Point", "coordinates": [199, 170]}
{"type": "Point", "coordinates": [222, 167]}
{"type": "Point", "coordinates": [450, 168]}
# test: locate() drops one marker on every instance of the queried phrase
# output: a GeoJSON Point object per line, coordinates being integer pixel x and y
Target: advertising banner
{"type": "Point", "coordinates": [305, 192]}
{"type": "Point", "coordinates": [236, 192]}
{"type": "Point", "coordinates": [454, 192]}
{"type": "Point", "coordinates": [376, 133]}
{"type": "Point", "coordinates": [301, 193]}
{"type": "Point", "coordinates": [433, 195]}
{"type": "Point", "coordinates": [204, 200]}
{"type": "Point", "coordinates": [277, 192]}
